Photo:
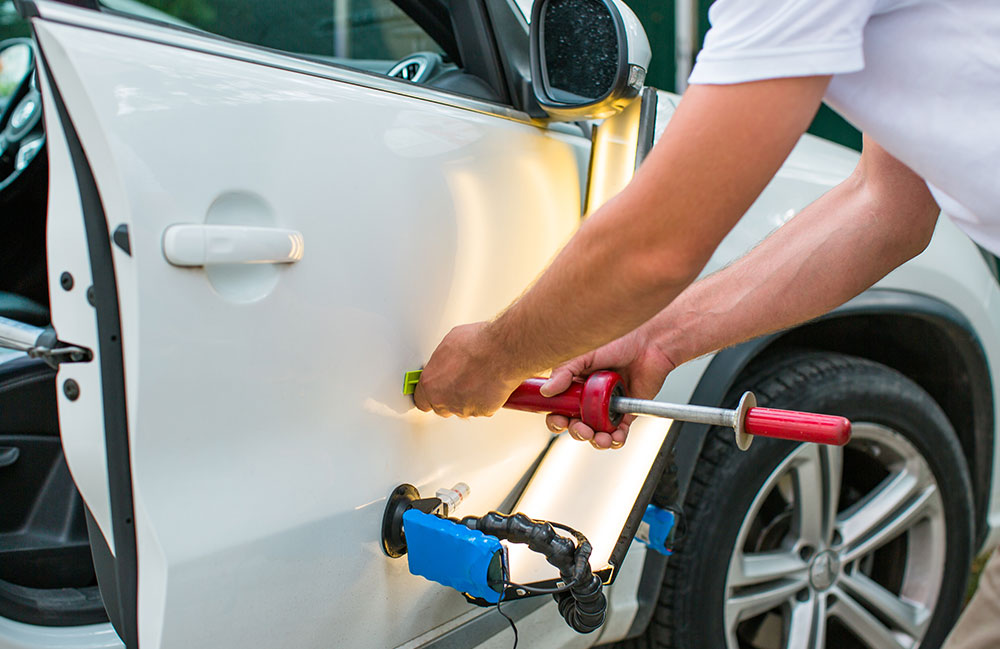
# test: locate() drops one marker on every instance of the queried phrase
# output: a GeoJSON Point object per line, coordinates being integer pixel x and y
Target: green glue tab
{"type": "Point", "coordinates": [410, 380]}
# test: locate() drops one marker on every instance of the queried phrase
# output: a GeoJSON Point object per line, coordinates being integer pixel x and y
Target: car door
{"type": "Point", "coordinates": [242, 423]}
{"type": "Point", "coordinates": [262, 244]}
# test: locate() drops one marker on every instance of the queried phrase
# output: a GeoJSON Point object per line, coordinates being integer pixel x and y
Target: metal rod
{"type": "Point", "coordinates": [17, 335]}
{"type": "Point", "coordinates": [681, 412]}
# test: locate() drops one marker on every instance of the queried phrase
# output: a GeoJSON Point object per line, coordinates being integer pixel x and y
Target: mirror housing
{"type": "Point", "coordinates": [588, 57]}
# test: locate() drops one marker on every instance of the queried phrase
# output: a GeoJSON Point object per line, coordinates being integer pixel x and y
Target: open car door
{"type": "Point", "coordinates": [262, 245]}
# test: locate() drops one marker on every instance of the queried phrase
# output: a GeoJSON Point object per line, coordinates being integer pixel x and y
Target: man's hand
{"type": "Point", "coordinates": [643, 366]}
{"type": "Point", "coordinates": [465, 375]}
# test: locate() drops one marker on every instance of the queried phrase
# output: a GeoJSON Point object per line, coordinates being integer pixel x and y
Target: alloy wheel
{"type": "Point", "coordinates": [842, 547]}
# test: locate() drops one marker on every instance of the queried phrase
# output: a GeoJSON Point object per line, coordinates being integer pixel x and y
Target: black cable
{"type": "Point", "coordinates": [530, 589]}
{"type": "Point", "coordinates": [513, 626]}
{"type": "Point", "coordinates": [534, 590]}
{"type": "Point", "coordinates": [505, 579]}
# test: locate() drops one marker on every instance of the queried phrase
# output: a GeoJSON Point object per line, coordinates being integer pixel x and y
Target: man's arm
{"type": "Point", "coordinates": [848, 239]}
{"type": "Point", "coordinates": [636, 253]}
{"type": "Point", "coordinates": [877, 219]}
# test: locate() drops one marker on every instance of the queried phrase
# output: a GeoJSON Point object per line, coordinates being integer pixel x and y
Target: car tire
{"type": "Point", "coordinates": [771, 561]}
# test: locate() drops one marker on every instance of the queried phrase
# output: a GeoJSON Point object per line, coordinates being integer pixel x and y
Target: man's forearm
{"type": "Point", "coordinates": [577, 304]}
{"type": "Point", "coordinates": [839, 246]}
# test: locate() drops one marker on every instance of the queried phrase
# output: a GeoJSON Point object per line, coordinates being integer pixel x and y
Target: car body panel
{"type": "Point", "coordinates": [261, 500]}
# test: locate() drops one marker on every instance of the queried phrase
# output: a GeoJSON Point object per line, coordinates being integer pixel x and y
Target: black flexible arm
{"type": "Point", "coordinates": [583, 604]}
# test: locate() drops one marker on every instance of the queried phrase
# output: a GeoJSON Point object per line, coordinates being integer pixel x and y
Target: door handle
{"type": "Point", "coordinates": [191, 245]}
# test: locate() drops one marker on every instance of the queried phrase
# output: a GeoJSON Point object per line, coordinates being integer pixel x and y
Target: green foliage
{"type": "Point", "coordinates": [828, 124]}
{"type": "Point", "coordinates": [977, 569]}
{"type": "Point", "coordinates": [200, 13]}
{"type": "Point", "coordinates": [11, 25]}
{"type": "Point", "coordinates": [657, 17]}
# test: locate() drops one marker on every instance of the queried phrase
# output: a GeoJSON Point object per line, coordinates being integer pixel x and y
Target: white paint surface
{"type": "Point", "coordinates": [266, 435]}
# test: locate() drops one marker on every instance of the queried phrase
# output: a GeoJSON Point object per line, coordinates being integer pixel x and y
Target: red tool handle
{"type": "Point", "coordinates": [588, 400]}
{"type": "Point", "coordinates": [528, 397]}
{"type": "Point", "coordinates": [798, 426]}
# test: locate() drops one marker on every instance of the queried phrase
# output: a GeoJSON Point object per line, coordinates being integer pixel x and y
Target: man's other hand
{"type": "Point", "coordinates": [643, 366]}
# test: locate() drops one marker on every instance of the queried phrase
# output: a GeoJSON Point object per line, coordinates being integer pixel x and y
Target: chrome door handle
{"type": "Point", "coordinates": [192, 245]}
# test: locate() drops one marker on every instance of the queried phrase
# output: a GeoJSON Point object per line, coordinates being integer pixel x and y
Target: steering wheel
{"type": "Point", "coordinates": [22, 133]}
{"type": "Point", "coordinates": [417, 67]}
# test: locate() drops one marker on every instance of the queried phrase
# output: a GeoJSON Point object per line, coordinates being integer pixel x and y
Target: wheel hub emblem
{"type": "Point", "coordinates": [823, 570]}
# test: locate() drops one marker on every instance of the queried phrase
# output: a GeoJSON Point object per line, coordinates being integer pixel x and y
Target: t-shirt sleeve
{"type": "Point", "coordinates": [768, 39]}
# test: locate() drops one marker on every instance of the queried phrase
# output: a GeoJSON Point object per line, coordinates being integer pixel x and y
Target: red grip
{"type": "Point", "coordinates": [588, 400]}
{"type": "Point", "coordinates": [528, 397]}
{"type": "Point", "coordinates": [798, 426]}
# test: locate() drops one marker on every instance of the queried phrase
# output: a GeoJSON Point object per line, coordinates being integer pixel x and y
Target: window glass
{"type": "Point", "coordinates": [366, 34]}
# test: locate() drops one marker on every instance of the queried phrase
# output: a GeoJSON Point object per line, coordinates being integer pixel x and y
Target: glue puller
{"type": "Point", "coordinates": [600, 402]}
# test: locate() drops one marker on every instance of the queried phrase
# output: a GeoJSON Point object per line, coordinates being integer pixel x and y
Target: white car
{"type": "Point", "coordinates": [260, 215]}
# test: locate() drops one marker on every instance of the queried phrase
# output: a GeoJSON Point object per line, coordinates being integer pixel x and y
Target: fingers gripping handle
{"type": "Point", "coordinates": [528, 397]}
{"type": "Point", "coordinates": [588, 400]}
{"type": "Point", "coordinates": [798, 426]}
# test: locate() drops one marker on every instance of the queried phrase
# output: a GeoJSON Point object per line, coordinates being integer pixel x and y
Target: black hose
{"type": "Point", "coordinates": [583, 604]}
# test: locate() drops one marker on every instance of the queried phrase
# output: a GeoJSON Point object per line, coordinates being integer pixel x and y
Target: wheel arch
{"type": "Point", "coordinates": [928, 340]}
{"type": "Point", "coordinates": [924, 338]}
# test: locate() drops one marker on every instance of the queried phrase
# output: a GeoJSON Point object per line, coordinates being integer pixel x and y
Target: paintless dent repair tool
{"type": "Point", "coordinates": [467, 554]}
{"type": "Point", "coordinates": [600, 402]}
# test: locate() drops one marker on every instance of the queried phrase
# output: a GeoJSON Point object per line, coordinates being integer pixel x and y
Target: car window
{"type": "Point", "coordinates": [366, 34]}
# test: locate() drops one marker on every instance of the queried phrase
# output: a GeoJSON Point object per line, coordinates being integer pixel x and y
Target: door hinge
{"type": "Point", "coordinates": [54, 352]}
{"type": "Point", "coordinates": [61, 353]}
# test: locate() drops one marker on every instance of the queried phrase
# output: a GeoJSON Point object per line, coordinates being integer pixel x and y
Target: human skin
{"type": "Point", "coordinates": [646, 245]}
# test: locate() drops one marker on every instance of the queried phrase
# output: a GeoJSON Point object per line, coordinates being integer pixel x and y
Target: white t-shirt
{"type": "Point", "coordinates": [920, 77]}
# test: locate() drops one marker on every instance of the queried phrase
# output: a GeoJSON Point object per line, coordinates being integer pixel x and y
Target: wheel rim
{"type": "Point", "coordinates": [842, 547]}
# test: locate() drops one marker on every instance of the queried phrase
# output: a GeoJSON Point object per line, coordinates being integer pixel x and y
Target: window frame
{"type": "Point", "coordinates": [468, 33]}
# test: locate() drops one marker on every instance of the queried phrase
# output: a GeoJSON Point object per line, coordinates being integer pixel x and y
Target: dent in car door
{"type": "Point", "coordinates": [265, 419]}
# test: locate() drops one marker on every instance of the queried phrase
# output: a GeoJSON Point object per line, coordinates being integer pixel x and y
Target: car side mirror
{"type": "Point", "coordinates": [15, 66]}
{"type": "Point", "coordinates": [588, 57]}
